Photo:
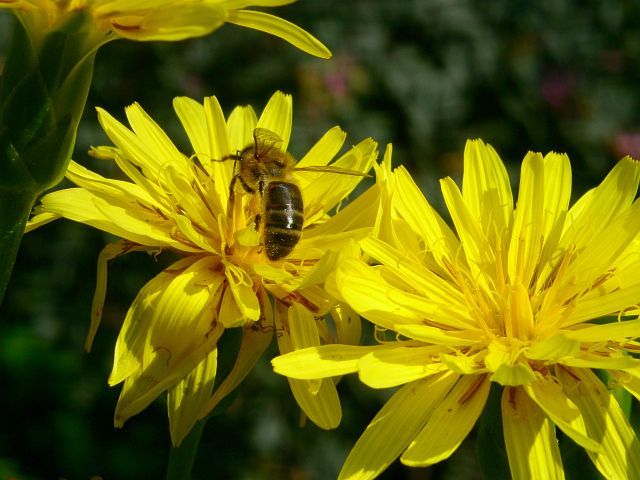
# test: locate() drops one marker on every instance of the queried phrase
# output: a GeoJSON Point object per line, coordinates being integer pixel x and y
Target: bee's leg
{"type": "Point", "coordinates": [244, 184]}
{"type": "Point", "coordinates": [232, 189]}
{"type": "Point", "coordinates": [257, 221]}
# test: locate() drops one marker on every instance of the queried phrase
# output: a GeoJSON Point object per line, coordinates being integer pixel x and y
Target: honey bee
{"type": "Point", "coordinates": [263, 167]}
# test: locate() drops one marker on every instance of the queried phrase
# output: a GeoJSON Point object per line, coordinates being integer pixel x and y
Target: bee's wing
{"type": "Point", "coordinates": [342, 171]}
{"type": "Point", "coordinates": [265, 140]}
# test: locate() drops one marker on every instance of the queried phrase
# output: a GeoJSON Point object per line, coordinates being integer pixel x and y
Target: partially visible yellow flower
{"type": "Point", "coordinates": [181, 203]}
{"type": "Point", "coordinates": [534, 297]}
{"type": "Point", "coordinates": [160, 19]}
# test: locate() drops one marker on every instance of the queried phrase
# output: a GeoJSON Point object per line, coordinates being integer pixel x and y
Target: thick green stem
{"type": "Point", "coordinates": [15, 206]}
{"type": "Point", "coordinates": [181, 458]}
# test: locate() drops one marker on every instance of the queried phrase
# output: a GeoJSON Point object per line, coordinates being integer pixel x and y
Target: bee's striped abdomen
{"type": "Point", "coordinates": [283, 218]}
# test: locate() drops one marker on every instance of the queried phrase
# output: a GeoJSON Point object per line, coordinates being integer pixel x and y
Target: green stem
{"type": "Point", "coordinates": [181, 458]}
{"type": "Point", "coordinates": [15, 206]}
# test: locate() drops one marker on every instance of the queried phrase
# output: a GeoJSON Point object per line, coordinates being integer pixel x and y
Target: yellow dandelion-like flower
{"type": "Point", "coordinates": [225, 278]}
{"type": "Point", "coordinates": [160, 19]}
{"type": "Point", "coordinates": [533, 297]}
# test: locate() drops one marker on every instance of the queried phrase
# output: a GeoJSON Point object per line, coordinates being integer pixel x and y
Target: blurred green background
{"type": "Point", "coordinates": [425, 75]}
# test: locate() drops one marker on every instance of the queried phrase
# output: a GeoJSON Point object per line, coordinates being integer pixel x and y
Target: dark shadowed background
{"type": "Point", "coordinates": [425, 75]}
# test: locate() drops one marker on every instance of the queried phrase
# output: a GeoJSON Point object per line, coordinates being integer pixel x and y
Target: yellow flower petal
{"type": "Point", "coordinates": [562, 410]}
{"type": "Point", "coordinates": [321, 362]}
{"type": "Point", "coordinates": [619, 455]}
{"type": "Point", "coordinates": [554, 348]}
{"type": "Point", "coordinates": [425, 281]}
{"type": "Point", "coordinates": [108, 253]}
{"type": "Point", "coordinates": [450, 422]}
{"type": "Point", "coordinates": [171, 23]}
{"type": "Point", "coordinates": [218, 149]}
{"type": "Point", "coordinates": [530, 439]}
{"type": "Point", "coordinates": [323, 151]}
{"type": "Point", "coordinates": [486, 189]}
{"type": "Point", "coordinates": [40, 219]}
{"type": "Point", "coordinates": [153, 138]}
{"type": "Point", "coordinates": [557, 193]}
{"type": "Point", "coordinates": [280, 28]}
{"type": "Point", "coordinates": [369, 295]}
{"type": "Point", "coordinates": [616, 192]}
{"type": "Point", "coordinates": [602, 305]}
{"type": "Point", "coordinates": [424, 220]}
{"type": "Point", "coordinates": [170, 331]}
{"type": "Point", "coordinates": [276, 117]}
{"type": "Point", "coordinates": [241, 287]}
{"type": "Point", "coordinates": [478, 251]}
{"type": "Point", "coordinates": [323, 192]}
{"type": "Point", "coordinates": [525, 244]}
{"type": "Point", "coordinates": [395, 425]}
{"type": "Point", "coordinates": [126, 221]}
{"type": "Point", "coordinates": [130, 145]}
{"type": "Point", "coordinates": [241, 123]}
{"type": "Point", "coordinates": [85, 178]}
{"type": "Point", "coordinates": [186, 399]}
{"type": "Point", "coordinates": [391, 367]}
{"type": "Point", "coordinates": [317, 398]}
{"type": "Point", "coordinates": [439, 336]}
{"type": "Point", "coordinates": [192, 117]}
{"type": "Point", "coordinates": [630, 382]}
{"type": "Point", "coordinates": [347, 324]}
{"type": "Point", "coordinates": [255, 340]}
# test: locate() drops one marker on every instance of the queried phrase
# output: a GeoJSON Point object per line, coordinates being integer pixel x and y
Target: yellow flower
{"type": "Point", "coordinates": [533, 296]}
{"type": "Point", "coordinates": [160, 19]}
{"type": "Point", "coordinates": [224, 280]}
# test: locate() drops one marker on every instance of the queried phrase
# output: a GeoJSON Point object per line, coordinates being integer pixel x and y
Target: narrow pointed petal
{"type": "Point", "coordinates": [255, 340]}
{"type": "Point", "coordinates": [192, 116]}
{"type": "Point", "coordinates": [324, 190]}
{"type": "Point", "coordinates": [422, 279]}
{"type": "Point", "coordinates": [154, 139]}
{"type": "Point", "coordinates": [619, 455]}
{"type": "Point", "coordinates": [423, 219]}
{"type": "Point", "coordinates": [321, 362]}
{"type": "Point", "coordinates": [324, 150]}
{"type": "Point", "coordinates": [557, 194]}
{"type": "Point", "coordinates": [395, 426]}
{"type": "Point", "coordinates": [241, 287]}
{"type": "Point", "coordinates": [108, 253]}
{"type": "Point", "coordinates": [40, 219]}
{"type": "Point", "coordinates": [439, 336]}
{"type": "Point", "coordinates": [449, 424]}
{"type": "Point", "coordinates": [171, 23]}
{"type": "Point", "coordinates": [276, 117]}
{"type": "Point", "coordinates": [117, 218]}
{"type": "Point", "coordinates": [530, 438]}
{"type": "Point", "coordinates": [486, 188]}
{"type": "Point", "coordinates": [130, 145]}
{"type": "Point", "coordinates": [602, 204]}
{"type": "Point", "coordinates": [218, 149]}
{"type": "Point", "coordinates": [168, 331]}
{"type": "Point", "coordinates": [630, 382]}
{"type": "Point", "coordinates": [280, 28]}
{"type": "Point", "coordinates": [241, 123]}
{"type": "Point", "coordinates": [562, 410]}
{"type": "Point", "coordinates": [186, 399]}
{"type": "Point", "coordinates": [391, 367]}
{"type": "Point", "coordinates": [477, 249]}
{"type": "Point", "coordinates": [317, 398]}
{"type": "Point", "coordinates": [368, 294]}
{"type": "Point", "coordinates": [85, 178]}
{"type": "Point", "coordinates": [526, 235]}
